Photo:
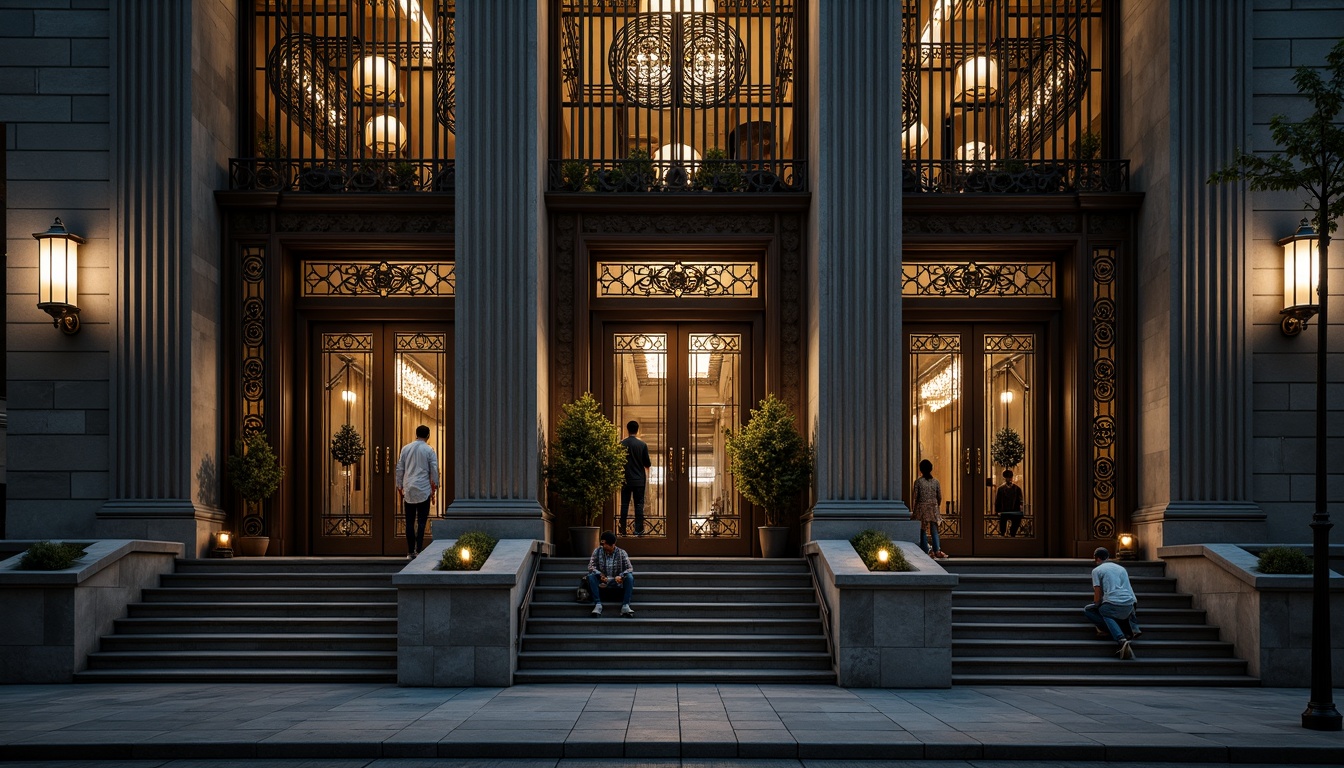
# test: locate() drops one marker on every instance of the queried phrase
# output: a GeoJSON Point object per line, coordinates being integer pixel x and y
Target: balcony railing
{"type": "Point", "coordinates": [677, 177]}
{"type": "Point", "coordinates": [352, 175]}
{"type": "Point", "coordinates": [1013, 177]}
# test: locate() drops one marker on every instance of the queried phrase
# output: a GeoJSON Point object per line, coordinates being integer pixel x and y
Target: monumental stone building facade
{"type": "Point", "coordinates": [937, 229]}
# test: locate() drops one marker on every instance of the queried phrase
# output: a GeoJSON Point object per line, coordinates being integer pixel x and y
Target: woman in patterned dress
{"type": "Point", "coordinates": [926, 500]}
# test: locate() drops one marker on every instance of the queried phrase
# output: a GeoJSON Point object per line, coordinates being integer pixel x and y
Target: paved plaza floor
{"type": "Point", "coordinates": [652, 726]}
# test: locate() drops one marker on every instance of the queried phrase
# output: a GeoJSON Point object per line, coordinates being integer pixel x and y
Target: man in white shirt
{"type": "Point", "coordinates": [417, 482]}
{"type": "Point", "coordinates": [1112, 600]}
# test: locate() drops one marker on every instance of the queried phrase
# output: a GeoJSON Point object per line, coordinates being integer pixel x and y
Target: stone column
{"type": "Point", "coordinates": [855, 275]}
{"type": "Point", "coordinates": [500, 124]}
{"type": "Point", "coordinates": [1207, 493]}
{"type": "Point", "coordinates": [166, 150]}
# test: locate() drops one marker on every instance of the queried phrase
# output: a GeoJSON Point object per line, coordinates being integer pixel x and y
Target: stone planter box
{"type": "Point", "coordinates": [460, 628]}
{"type": "Point", "coordinates": [1267, 618]}
{"type": "Point", "coordinates": [53, 619]}
{"type": "Point", "coordinates": [890, 629]}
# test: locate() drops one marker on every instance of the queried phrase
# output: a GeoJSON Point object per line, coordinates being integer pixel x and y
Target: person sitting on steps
{"type": "Point", "coordinates": [610, 567]}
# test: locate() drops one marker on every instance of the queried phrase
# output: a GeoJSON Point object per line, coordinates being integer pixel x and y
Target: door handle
{"type": "Point", "coordinates": [671, 462]}
{"type": "Point", "coordinates": [375, 459]}
{"type": "Point", "coordinates": [683, 460]}
{"type": "Point", "coordinates": [966, 462]}
{"type": "Point", "coordinates": [388, 464]}
{"type": "Point", "coordinates": [977, 461]}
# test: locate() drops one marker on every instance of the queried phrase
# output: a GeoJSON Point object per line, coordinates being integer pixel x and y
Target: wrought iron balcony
{"type": "Point", "coordinates": [677, 177]}
{"type": "Point", "coordinates": [1013, 177]}
{"type": "Point", "coordinates": [351, 175]}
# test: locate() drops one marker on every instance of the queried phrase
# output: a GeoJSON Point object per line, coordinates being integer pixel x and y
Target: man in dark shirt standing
{"type": "Point", "coordinates": [637, 465]}
{"type": "Point", "coordinates": [1008, 502]}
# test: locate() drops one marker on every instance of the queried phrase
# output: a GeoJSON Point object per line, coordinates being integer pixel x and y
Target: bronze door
{"type": "Point", "coordinates": [684, 383]}
{"type": "Point", "coordinates": [381, 380]}
{"type": "Point", "coordinates": [979, 402]}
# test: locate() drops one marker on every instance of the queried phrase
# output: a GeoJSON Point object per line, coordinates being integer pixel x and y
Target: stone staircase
{"type": "Point", "coordinates": [697, 620]}
{"type": "Point", "coordinates": [264, 619]}
{"type": "Point", "coordinates": [1020, 622]}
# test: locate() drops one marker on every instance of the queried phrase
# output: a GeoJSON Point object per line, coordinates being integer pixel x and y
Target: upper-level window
{"type": "Point", "coordinates": [676, 96]}
{"type": "Point", "coordinates": [1006, 95]}
{"type": "Point", "coordinates": [349, 95]}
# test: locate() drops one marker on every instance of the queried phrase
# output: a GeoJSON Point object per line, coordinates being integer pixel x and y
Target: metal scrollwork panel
{"type": "Point", "coordinates": [736, 280]}
{"type": "Point", "coordinates": [1104, 381]}
{"type": "Point", "coordinates": [253, 359]}
{"type": "Point", "coordinates": [974, 279]}
{"type": "Point", "coordinates": [383, 278]}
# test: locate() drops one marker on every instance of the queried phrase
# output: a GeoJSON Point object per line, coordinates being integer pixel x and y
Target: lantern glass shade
{"type": "Point", "coordinates": [679, 154]}
{"type": "Point", "coordinates": [975, 150]}
{"type": "Point", "coordinates": [977, 79]}
{"type": "Point", "coordinates": [58, 275]}
{"type": "Point", "coordinates": [1301, 267]}
{"type": "Point", "coordinates": [376, 78]}
{"type": "Point", "coordinates": [914, 137]}
{"type": "Point", "coordinates": [384, 135]}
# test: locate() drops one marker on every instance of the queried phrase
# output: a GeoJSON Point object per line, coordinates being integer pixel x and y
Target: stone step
{"type": "Point", "coordinates": [222, 674]}
{"type": "Point", "coordinates": [1090, 648]}
{"type": "Point", "coordinates": [270, 594]}
{"type": "Point", "coordinates": [689, 610]}
{"type": "Point", "coordinates": [1105, 663]}
{"type": "Point", "coordinates": [672, 660]}
{"type": "Point", "coordinates": [387, 565]}
{"type": "Point", "coordinates": [220, 609]}
{"type": "Point", "coordinates": [259, 660]}
{"type": "Point", "coordinates": [1075, 630]}
{"type": "Point", "coordinates": [275, 580]}
{"type": "Point", "coordinates": [250, 642]}
{"type": "Point", "coordinates": [650, 579]}
{"type": "Point", "coordinates": [1054, 582]}
{"type": "Point", "coordinates": [1065, 615]}
{"type": "Point", "coordinates": [647, 595]}
{"type": "Point", "coordinates": [611, 623]}
{"type": "Point", "coordinates": [1018, 566]}
{"type": "Point", "coordinates": [1136, 680]}
{"type": "Point", "coordinates": [727, 642]}
{"type": "Point", "coordinates": [579, 566]}
{"type": "Point", "coordinates": [1040, 599]}
{"type": "Point", "coordinates": [256, 625]}
{"type": "Point", "coordinates": [702, 675]}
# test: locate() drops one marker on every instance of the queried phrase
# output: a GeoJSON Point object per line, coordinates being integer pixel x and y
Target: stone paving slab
{"type": "Point", "coordinates": [650, 726]}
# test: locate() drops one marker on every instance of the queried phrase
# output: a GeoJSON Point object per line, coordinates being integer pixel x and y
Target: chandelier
{"type": "Point", "coordinates": [655, 52]}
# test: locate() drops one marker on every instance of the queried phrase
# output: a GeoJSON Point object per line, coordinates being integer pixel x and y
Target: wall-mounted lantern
{"type": "Point", "coordinates": [1301, 278]}
{"type": "Point", "coordinates": [58, 276]}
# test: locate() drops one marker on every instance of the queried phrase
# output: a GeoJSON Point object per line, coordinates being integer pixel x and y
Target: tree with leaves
{"type": "Point", "coordinates": [1310, 160]}
{"type": "Point", "coordinates": [587, 460]}
{"type": "Point", "coordinates": [771, 461]}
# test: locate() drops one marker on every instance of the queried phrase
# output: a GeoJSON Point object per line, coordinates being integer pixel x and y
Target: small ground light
{"type": "Point", "coordinates": [223, 544]}
{"type": "Point", "coordinates": [465, 554]}
{"type": "Point", "coordinates": [1126, 548]}
{"type": "Point", "coordinates": [882, 556]}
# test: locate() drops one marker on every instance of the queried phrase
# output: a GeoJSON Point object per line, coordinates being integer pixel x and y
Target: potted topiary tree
{"type": "Point", "coordinates": [347, 447]}
{"type": "Point", "coordinates": [771, 464]}
{"type": "Point", "coordinates": [587, 466]}
{"type": "Point", "coordinates": [255, 473]}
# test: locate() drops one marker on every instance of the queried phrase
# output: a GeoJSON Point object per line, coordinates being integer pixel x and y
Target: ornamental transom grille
{"type": "Point", "coordinates": [677, 279]}
{"type": "Point", "coordinates": [383, 278]}
{"type": "Point", "coordinates": [975, 279]}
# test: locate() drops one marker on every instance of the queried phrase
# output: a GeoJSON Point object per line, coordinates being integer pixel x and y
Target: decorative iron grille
{"type": "Point", "coordinates": [676, 96]}
{"type": "Point", "coordinates": [972, 279]}
{"type": "Point", "coordinates": [735, 280]}
{"type": "Point", "coordinates": [384, 278]}
{"type": "Point", "coordinates": [350, 96]}
{"type": "Point", "coordinates": [1000, 96]}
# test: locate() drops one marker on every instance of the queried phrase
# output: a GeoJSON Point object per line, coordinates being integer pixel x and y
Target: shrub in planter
{"type": "Point", "coordinates": [51, 556]}
{"type": "Point", "coordinates": [477, 544]}
{"type": "Point", "coordinates": [587, 459]}
{"type": "Point", "coordinates": [1284, 560]}
{"type": "Point", "coordinates": [868, 543]}
{"type": "Point", "coordinates": [771, 461]}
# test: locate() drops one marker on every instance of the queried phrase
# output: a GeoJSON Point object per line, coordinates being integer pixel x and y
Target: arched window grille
{"type": "Point", "coordinates": [676, 96]}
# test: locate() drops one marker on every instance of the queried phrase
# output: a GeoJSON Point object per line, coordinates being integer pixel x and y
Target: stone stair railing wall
{"type": "Point", "coordinates": [1020, 622]}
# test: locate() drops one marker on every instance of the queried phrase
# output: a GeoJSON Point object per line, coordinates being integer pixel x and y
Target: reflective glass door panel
{"type": "Point", "coordinates": [975, 395]}
{"type": "Point", "coordinates": [685, 385]}
{"type": "Point", "coordinates": [381, 380]}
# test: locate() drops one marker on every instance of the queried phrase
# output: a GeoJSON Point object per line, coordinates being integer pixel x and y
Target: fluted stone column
{"type": "Point", "coordinates": [499, 219]}
{"type": "Point", "coordinates": [166, 153]}
{"type": "Point", "coordinates": [1207, 490]}
{"type": "Point", "coordinates": [855, 276]}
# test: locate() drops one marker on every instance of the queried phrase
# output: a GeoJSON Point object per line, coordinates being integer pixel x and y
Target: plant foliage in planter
{"type": "Point", "coordinates": [347, 446]}
{"type": "Point", "coordinates": [51, 556]}
{"type": "Point", "coordinates": [867, 543]}
{"type": "Point", "coordinates": [1284, 560]}
{"type": "Point", "coordinates": [770, 461]}
{"type": "Point", "coordinates": [719, 174]}
{"type": "Point", "coordinates": [253, 468]}
{"type": "Point", "coordinates": [478, 544]}
{"type": "Point", "coordinates": [1007, 448]}
{"type": "Point", "coordinates": [587, 459]}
